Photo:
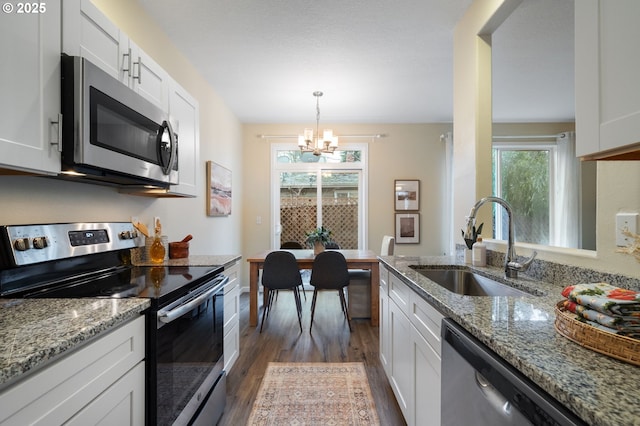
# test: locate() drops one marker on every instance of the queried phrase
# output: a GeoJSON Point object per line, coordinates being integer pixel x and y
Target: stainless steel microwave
{"type": "Point", "coordinates": [111, 134]}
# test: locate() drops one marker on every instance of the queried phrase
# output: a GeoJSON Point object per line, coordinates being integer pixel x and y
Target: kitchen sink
{"type": "Point", "coordinates": [468, 283]}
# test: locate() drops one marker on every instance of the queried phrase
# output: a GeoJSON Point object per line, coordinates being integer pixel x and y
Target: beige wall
{"type": "Point", "coordinates": [618, 182]}
{"type": "Point", "coordinates": [409, 151]}
{"type": "Point", "coordinates": [43, 200]}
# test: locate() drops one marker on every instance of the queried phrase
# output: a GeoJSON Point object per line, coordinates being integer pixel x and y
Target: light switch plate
{"type": "Point", "coordinates": [626, 221]}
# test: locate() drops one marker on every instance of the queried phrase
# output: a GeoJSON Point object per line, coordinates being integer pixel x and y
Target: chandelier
{"type": "Point", "coordinates": [327, 143]}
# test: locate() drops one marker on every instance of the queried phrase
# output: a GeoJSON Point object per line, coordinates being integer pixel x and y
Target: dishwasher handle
{"type": "Point", "coordinates": [169, 315]}
{"type": "Point", "coordinates": [493, 397]}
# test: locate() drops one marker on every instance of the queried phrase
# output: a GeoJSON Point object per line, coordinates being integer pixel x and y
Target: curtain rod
{"type": "Point", "coordinates": [530, 136]}
{"type": "Point", "coordinates": [376, 136]}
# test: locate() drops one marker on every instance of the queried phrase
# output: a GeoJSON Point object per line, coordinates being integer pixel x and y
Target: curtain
{"type": "Point", "coordinates": [447, 140]}
{"type": "Point", "coordinates": [566, 218]}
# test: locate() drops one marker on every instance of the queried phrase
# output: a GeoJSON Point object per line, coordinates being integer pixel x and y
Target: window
{"type": "Point", "coordinates": [523, 175]}
{"type": "Point", "coordinates": [309, 191]}
{"type": "Point", "coordinates": [552, 193]}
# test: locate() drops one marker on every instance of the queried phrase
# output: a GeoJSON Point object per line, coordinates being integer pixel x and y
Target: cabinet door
{"type": "Point", "coordinates": [231, 316]}
{"type": "Point", "coordinates": [401, 370]}
{"type": "Point", "coordinates": [87, 32]}
{"type": "Point", "coordinates": [30, 87]}
{"type": "Point", "coordinates": [148, 78]}
{"type": "Point", "coordinates": [231, 347]}
{"type": "Point", "coordinates": [426, 365]}
{"type": "Point", "coordinates": [385, 332]}
{"type": "Point", "coordinates": [607, 83]}
{"type": "Point", "coordinates": [184, 109]}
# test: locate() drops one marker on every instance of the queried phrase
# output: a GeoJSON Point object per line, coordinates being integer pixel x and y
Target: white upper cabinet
{"type": "Point", "coordinates": [184, 111]}
{"type": "Point", "coordinates": [87, 32]}
{"type": "Point", "coordinates": [148, 78]}
{"type": "Point", "coordinates": [30, 87]}
{"type": "Point", "coordinates": [607, 80]}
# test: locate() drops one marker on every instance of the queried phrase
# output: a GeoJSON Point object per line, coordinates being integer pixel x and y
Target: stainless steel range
{"type": "Point", "coordinates": [184, 357]}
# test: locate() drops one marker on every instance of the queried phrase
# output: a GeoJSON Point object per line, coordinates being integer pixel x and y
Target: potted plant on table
{"type": "Point", "coordinates": [318, 238]}
{"type": "Point", "coordinates": [471, 241]}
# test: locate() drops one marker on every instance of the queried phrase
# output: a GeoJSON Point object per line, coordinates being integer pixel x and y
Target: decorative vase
{"type": "Point", "coordinates": [318, 247]}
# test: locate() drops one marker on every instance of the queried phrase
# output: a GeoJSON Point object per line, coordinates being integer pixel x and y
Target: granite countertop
{"type": "Point", "coordinates": [138, 259]}
{"type": "Point", "coordinates": [34, 332]}
{"type": "Point", "coordinates": [599, 389]}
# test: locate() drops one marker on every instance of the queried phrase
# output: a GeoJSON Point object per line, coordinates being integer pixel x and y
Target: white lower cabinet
{"type": "Point", "coordinates": [401, 370]}
{"type": "Point", "coordinates": [100, 383]}
{"type": "Point", "coordinates": [413, 335]}
{"type": "Point", "coordinates": [231, 316]}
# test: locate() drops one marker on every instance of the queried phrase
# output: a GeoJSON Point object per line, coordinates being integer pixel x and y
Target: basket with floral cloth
{"type": "Point", "coordinates": [603, 318]}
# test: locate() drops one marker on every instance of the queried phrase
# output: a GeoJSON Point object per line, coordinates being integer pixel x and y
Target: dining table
{"type": "Point", "coordinates": [356, 259]}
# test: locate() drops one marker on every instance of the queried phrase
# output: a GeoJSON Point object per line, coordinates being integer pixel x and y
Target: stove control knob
{"type": "Point", "coordinates": [21, 244]}
{"type": "Point", "coordinates": [40, 242]}
{"type": "Point", "coordinates": [125, 235]}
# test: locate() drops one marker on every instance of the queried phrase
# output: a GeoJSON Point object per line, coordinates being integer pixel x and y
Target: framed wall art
{"type": "Point", "coordinates": [407, 228]}
{"type": "Point", "coordinates": [218, 190]}
{"type": "Point", "coordinates": [407, 194]}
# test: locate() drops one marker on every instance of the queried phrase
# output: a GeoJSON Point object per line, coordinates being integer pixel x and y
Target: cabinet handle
{"type": "Point", "coordinates": [139, 76]}
{"type": "Point", "coordinates": [59, 141]}
{"type": "Point", "coordinates": [127, 61]}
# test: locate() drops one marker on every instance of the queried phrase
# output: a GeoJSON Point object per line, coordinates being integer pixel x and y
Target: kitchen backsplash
{"type": "Point", "coordinates": [559, 274]}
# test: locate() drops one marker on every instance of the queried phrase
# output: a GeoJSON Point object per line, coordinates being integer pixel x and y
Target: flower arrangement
{"type": "Point", "coordinates": [633, 248]}
{"type": "Point", "coordinates": [474, 237]}
{"type": "Point", "coordinates": [319, 235]}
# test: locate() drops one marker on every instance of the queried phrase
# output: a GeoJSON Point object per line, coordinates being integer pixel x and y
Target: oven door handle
{"type": "Point", "coordinates": [170, 315]}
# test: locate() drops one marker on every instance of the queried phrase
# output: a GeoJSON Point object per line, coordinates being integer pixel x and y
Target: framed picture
{"type": "Point", "coordinates": [407, 194]}
{"type": "Point", "coordinates": [218, 190]}
{"type": "Point", "coordinates": [407, 228]}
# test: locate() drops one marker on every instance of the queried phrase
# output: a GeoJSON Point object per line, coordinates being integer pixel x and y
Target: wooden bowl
{"type": "Point", "coordinates": [178, 250]}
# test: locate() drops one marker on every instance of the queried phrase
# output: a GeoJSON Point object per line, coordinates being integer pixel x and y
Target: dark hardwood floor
{"type": "Point", "coordinates": [281, 341]}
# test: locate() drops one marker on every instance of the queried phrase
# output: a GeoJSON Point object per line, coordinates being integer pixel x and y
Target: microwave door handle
{"type": "Point", "coordinates": [174, 147]}
{"type": "Point", "coordinates": [165, 127]}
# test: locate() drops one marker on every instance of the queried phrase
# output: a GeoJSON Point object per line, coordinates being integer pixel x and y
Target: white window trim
{"type": "Point", "coordinates": [361, 166]}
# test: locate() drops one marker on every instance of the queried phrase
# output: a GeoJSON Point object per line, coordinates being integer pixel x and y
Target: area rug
{"type": "Point", "coordinates": [316, 393]}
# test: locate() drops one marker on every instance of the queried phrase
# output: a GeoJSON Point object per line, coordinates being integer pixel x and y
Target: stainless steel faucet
{"type": "Point", "coordinates": [511, 265]}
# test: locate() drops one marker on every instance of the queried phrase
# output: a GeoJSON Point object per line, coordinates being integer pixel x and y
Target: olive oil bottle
{"type": "Point", "coordinates": [157, 251]}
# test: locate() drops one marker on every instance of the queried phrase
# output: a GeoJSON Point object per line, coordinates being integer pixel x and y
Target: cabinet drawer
{"type": "Point", "coordinates": [427, 320]}
{"type": "Point", "coordinates": [384, 279]}
{"type": "Point", "coordinates": [233, 272]}
{"type": "Point", "coordinates": [400, 293]}
{"type": "Point", "coordinates": [56, 393]}
{"type": "Point", "coordinates": [231, 308]}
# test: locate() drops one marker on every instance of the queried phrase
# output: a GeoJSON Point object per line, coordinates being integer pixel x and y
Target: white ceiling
{"type": "Point", "coordinates": [377, 61]}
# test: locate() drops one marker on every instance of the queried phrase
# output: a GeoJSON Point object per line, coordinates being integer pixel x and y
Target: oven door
{"type": "Point", "coordinates": [188, 361]}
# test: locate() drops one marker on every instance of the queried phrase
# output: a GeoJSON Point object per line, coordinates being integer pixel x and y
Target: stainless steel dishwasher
{"type": "Point", "coordinates": [480, 388]}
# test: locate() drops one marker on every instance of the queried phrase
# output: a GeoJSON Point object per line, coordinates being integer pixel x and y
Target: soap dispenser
{"type": "Point", "coordinates": [479, 253]}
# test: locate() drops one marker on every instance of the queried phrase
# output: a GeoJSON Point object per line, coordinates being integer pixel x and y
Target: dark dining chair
{"type": "Point", "coordinates": [281, 272]}
{"type": "Point", "coordinates": [294, 245]}
{"type": "Point", "coordinates": [332, 245]}
{"type": "Point", "coordinates": [330, 272]}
